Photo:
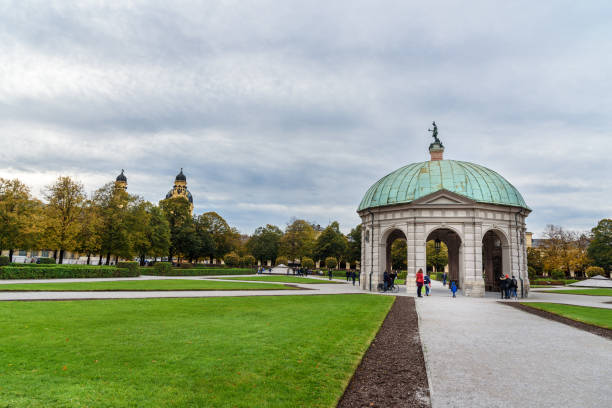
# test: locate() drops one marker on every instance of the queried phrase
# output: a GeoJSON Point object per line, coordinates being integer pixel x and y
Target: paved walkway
{"type": "Point", "coordinates": [313, 289]}
{"type": "Point", "coordinates": [481, 353]}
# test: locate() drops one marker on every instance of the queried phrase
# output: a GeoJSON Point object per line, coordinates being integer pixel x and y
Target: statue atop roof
{"type": "Point", "coordinates": [434, 132]}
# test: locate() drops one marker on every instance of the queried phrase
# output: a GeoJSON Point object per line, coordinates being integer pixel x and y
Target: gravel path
{"type": "Point", "coordinates": [481, 353]}
{"type": "Point", "coordinates": [392, 372]}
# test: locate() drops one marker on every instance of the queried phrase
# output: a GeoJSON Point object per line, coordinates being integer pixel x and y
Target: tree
{"type": "Point", "coordinates": [298, 240]}
{"type": "Point", "coordinates": [353, 252]}
{"type": "Point", "coordinates": [308, 263]}
{"type": "Point", "coordinates": [437, 258]}
{"type": "Point", "coordinates": [177, 211]}
{"type": "Point", "coordinates": [594, 271]}
{"type": "Point", "coordinates": [265, 242]}
{"type": "Point", "coordinates": [563, 250]}
{"type": "Point", "coordinates": [113, 205]}
{"type": "Point", "coordinates": [231, 259]}
{"type": "Point", "coordinates": [331, 243]}
{"type": "Point", "coordinates": [399, 254]}
{"type": "Point", "coordinates": [600, 247]}
{"type": "Point", "coordinates": [65, 203]}
{"type": "Point", "coordinates": [17, 212]}
{"type": "Point", "coordinates": [534, 260]}
{"type": "Point", "coordinates": [149, 231]}
{"type": "Point", "coordinates": [331, 262]}
{"type": "Point", "coordinates": [206, 242]}
{"type": "Point", "coordinates": [247, 261]}
{"type": "Point", "coordinates": [88, 239]}
{"type": "Point", "coordinates": [225, 238]}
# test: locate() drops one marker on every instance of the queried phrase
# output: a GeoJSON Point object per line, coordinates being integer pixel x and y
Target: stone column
{"type": "Point", "coordinates": [472, 268]}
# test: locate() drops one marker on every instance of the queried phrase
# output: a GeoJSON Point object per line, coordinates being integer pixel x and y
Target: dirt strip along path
{"type": "Point", "coordinates": [601, 331]}
{"type": "Point", "coordinates": [392, 372]}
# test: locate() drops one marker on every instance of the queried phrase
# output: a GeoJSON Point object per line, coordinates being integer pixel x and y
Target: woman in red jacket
{"type": "Point", "coordinates": [419, 282]}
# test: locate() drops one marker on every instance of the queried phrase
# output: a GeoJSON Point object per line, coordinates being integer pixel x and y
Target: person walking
{"type": "Point", "coordinates": [419, 282]}
{"type": "Point", "coordinates": [508, 286]}
{"type": "Point", "coordinates": [385, 280]}
{"type": "Point", "coordinates": [453, 288]}
{"type": "Point", "coordinates": [353, 277]}
{"type": "Point", "coordinates": [348, 274]}
{"type": "Point", "coordinates": [513, 288]}
{"type": "Point", "coordinates": [330, 274]}
{"type": "Point", "coordinates": [444, 276]}
{"type": "Point", "coordinates": [427, 283]}
{"type": "Point", "coordinates": [502, 286]}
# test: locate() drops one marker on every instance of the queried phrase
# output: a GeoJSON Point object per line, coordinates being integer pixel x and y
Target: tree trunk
{"type": "Point", "coordinates": [142, 260]}
{"type": "Point", "coordinates": [170, 256]}
{"type": "Point", "coordinates": [88, 258]}
{"type": "Point", "coordinates": [61, 256]}
{"type": "Point", "coordinates": [100, 258]}
{"type": "Point", "coordinates": [11, 252]}
{"type": "Point", "coordinates": [55, 255]}
{"type": "Point", "coordinates": [108, 258]}
{"type": "Point", "coordinates": [116, 259]}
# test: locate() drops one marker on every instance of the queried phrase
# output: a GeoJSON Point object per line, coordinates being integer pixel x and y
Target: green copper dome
{"type": "Point", "coordinates": [418, 180]}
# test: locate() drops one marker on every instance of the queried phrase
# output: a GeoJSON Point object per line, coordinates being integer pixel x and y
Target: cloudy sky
{"type": "Point", "coordinates": [278, 109]}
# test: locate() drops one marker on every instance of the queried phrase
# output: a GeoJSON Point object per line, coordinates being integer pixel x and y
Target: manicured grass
{"type": "Point", "coordinates": [591, 315]}
{"type": "Point", "coordinates": [166, 284]}
{"type": "Point", "coordinates": [589, 292]}
{"type": "Point", "coordinates": [282, 278]}
{"type": "Point", "coordinates": [272, 351]}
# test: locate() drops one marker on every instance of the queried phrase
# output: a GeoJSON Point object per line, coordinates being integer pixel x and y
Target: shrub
{"type": "Point", "coordinates": [231, 259]}
{"type": "Point", "coordinates": [63, 272]}
{"type": "Point", "coordinates": [185, 265]}
{"type": "Point", "coordinates": [308, 263]}
{"type": "Point", "coordinates": [162, 268]}
{"type": "Point", "coordinates": [248, 261]}
{"type": "Point", "coordinates": [594, 271]}
{"type": "Point", "coordinates": [4, 260]}
{"type": "Point", "coordinates": [557, 274]}
{"type": "Point", "coordinates": [331, 262]}
{"type": "Point", "coordinates": [281, 260]}
{"type": "Point", "coordinates": [132, 266]}
{"type": "Point", "coordinates": [402, 274]}
{"type": "Point", "coordinates": [45, 261]}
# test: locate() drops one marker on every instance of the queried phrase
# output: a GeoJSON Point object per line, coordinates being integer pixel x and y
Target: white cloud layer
{"type": "Point", "coordinates": [281, 109]}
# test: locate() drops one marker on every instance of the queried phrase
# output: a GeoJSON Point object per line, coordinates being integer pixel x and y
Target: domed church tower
{"type": "Point", "coordinates": [121, 181]}
{"type": "Point", "coordinates": [180, 189]}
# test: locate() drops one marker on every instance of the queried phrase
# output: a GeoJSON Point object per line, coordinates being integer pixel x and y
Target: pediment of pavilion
{"type": "Point", "coordinates": [444, 197]}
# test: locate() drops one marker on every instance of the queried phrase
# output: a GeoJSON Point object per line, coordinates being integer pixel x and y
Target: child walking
{"type": "Point", "coordinates": [453, 288]}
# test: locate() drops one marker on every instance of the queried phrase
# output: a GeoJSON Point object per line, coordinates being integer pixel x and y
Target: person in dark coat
{"type": "Point", "coordinates": [348, 275]}
{"type": "Point", "coordinates": [353, 276]}
{"type": "Point", "coordinates": [444, 276]}
{"type": "Point", "coordinates": [419, 282]}
{"type": "Point", "coordinates": [386, 280]}
{"type": "Point", "coordinates": [502, 286]}
{"type": "Point", "coordinates": [513, 287]}
{"type": "Point", "coordinates": [426, 282]}
{"type": "Point", "coordinates": [508, 286]}
{"type": "Point", "coordinates": [330, 274]}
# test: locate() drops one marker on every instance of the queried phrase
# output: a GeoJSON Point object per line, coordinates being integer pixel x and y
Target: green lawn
{"type": "Point", "coordinates": [591, 315]}
{"type": "Point", "coordinates": [166, 284]}
{"type": "Point", "coordinates": [272, 351]}
{"type": "Point", "coordinates": [589, 292]}
{"type": "Point", "coordinates": [281, 278]}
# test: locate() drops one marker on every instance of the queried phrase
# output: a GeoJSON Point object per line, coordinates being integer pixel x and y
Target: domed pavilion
{"type": "Point", "coordinates": [476, 212]}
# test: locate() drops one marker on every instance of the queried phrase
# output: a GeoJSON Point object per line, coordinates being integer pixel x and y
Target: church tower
{"type": "Point", "coordinates": [121, 181]}
{"type": "Point", "coordinates": [180, 189]}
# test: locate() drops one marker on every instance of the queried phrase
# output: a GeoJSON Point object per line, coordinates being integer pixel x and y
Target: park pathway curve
{"type": "Point", "coordinates": [481, 353]}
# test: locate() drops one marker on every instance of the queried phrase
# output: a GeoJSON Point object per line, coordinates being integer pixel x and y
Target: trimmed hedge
{"type": "Point", "coordinates": [64, 272]}
{"type": "Point", "coordinates": [162, 268]}
{"type": "Point", "coordinates": [553, 281]}
{"type": "Point", "coordinates": [194, 272]}
{"type": "Point", "coordinates": [46, 261]}
{"type": "Point", "coordinates": [4, 260]}
{"type": "Point", "coordinates": [131, 265]}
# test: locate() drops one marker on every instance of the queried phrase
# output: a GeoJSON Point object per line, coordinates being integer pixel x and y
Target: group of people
{"type": "Point", "coordinates": [508, 287]}
{"type": "Point", "coordinates": [352, 275]}
{"type": "Point", "coordinates": [389, 280]}
{"type": "Point", "coordinates": [424, 280]}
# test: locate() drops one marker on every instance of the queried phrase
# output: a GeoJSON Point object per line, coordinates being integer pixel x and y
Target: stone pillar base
{"type": "Point", "coordinates": [411, 287]}
{"type": "Point", "coordinates": [474, 288]}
